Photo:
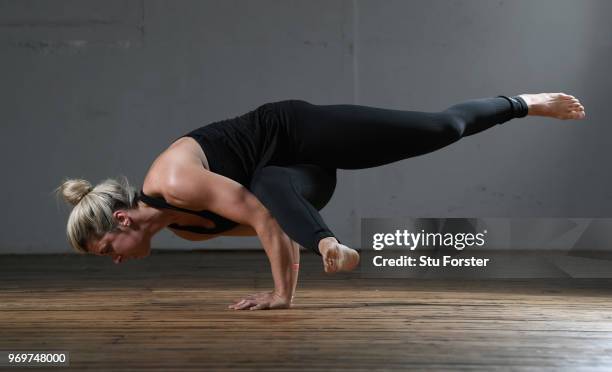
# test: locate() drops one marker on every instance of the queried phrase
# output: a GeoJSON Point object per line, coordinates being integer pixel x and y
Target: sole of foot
{"type": "Point", "coordinates": [338, 257]}
{"type": "Point", "coordinates": [554, 105]}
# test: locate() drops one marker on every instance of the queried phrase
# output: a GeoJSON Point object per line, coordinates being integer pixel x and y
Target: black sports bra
{"type": "Point", "coordinates": [221, 223]}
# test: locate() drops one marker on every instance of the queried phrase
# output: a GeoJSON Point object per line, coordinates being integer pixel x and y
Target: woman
{"type": "Point", "coordinates": [269, 172]}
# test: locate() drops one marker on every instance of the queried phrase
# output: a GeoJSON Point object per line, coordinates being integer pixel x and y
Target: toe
{"type": "Point", "coordinates": [577, 115]}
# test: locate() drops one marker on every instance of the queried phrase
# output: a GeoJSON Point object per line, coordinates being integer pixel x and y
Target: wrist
{"type": "Point", "coordinates": [283, 295]}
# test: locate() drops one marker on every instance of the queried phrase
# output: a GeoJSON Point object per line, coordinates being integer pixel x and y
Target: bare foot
{"type": "Point", "coordinates": [555, 105]}
{"type": "Point", "coordinates": [337, 257]}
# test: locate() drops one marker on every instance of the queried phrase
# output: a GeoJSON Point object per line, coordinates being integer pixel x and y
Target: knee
{"type": "Point", "coordinates": [324, 189]}
{"type": "Point", "coordinates": [452, 124]}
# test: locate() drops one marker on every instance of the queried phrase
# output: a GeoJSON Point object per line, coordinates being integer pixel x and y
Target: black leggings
{"type": "Point", "coordinates": [349, 136]}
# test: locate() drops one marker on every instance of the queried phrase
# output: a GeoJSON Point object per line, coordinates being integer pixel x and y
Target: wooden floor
{"type": "Point", "coordinates": [168, 313]}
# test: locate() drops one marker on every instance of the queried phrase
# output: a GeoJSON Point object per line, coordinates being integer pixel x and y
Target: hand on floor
{"type": "Point", "coordinates": [262, 301]}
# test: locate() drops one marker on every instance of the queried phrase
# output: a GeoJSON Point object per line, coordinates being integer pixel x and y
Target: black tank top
{"type": "Point", "coordinates": [221, 223]}
{"type": "Point", "coordinates": [236, 148]}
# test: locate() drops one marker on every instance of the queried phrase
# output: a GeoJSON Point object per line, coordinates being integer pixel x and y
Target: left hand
{"type": "Point", "coordinates": [262, 301]}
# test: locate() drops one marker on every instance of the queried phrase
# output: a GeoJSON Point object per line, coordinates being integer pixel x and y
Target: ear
{"type": "Point", "coordinates": [122, 217]}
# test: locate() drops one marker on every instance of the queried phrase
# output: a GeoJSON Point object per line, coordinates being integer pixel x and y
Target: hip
{"type": "Point", "coordinates": [237, 148]}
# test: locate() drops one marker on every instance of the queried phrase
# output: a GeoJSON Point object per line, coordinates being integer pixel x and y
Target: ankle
{"type": "Point", "coordinates": [528, 98]}
{"type": "Point", "coordinates": [534, 104]}
{"type": "Point", "coordinates": [519, 107]}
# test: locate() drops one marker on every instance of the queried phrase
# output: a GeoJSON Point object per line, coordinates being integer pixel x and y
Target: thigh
{"type": "Point", "coordinates": [355, 136]}
{"type": "Point", "coordinates": [314, 183]}
{"type": "Point", "coordinates": [294, 194]}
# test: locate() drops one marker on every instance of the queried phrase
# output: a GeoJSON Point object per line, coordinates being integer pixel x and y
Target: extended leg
{"type": "Point", "coordinates": [354, 136]}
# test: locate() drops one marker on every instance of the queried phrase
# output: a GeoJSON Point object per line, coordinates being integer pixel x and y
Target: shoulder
{"type": "Point", "coordinates": [174, 168]}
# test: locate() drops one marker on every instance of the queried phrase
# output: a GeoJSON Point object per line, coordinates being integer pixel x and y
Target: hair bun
{"type": "Point", "coordinates": [74, 190]}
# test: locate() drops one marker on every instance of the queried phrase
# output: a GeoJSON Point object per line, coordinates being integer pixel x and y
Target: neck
{"type": "Point", "coordinates": [150, 219]}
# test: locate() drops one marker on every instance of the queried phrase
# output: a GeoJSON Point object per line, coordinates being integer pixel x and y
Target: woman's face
{"type": "Point", "coordinates": [122, 245]}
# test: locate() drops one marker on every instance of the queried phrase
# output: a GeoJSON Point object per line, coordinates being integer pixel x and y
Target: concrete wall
{"type": "Point", "coordinates": [95, 89]}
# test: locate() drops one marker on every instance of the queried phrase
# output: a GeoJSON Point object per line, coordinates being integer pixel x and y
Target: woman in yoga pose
{"type": "Point", "coordinates": [268, 173]}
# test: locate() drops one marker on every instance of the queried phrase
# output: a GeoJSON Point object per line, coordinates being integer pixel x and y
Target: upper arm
{"type": "Point", "coordinates": [199, 189]}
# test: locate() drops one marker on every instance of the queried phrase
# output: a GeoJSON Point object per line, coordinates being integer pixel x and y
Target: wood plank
{"type": "Point", "coordinates": [168, 312]}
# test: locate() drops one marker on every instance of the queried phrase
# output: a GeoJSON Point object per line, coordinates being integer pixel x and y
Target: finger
{"type": "Point", "coordinates": [251, 297]}
{"type": "Point", "coordinates": [259, 307]}
{"type": "Point", "coordinates": [233, 306]}
{"type": "Point", "coordinates": [237, 304]}
{"type": "Point", "coordinates": [245, 305]}
{"type": "Point", "coordinates": [235, 300]}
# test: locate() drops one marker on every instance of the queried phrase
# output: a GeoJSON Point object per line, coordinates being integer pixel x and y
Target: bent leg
{"type": "Point", "coordinates": [350, 136]}
{"type": "Point", "coordinates": [294, 195]}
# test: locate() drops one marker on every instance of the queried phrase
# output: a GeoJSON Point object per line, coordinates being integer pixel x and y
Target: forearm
{"type": "Point", "coordinates": [295, 268]}
{"type": "Point", "coordinates": [280, 251]}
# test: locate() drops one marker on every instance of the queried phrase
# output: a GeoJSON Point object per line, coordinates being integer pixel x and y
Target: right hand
{"type": "Point", "coordinates": [262, 301]}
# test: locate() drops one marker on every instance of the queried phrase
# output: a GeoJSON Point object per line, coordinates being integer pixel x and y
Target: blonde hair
{"type": "Point", "coordinates": [92, 215]}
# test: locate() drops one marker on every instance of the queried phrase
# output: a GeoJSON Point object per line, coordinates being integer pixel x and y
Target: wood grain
{"type": "Point", "coordinates": [168, 313]}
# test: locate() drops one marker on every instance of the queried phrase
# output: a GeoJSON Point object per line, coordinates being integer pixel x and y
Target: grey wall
{"type": "Point", "coordinates": [99, 88]}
